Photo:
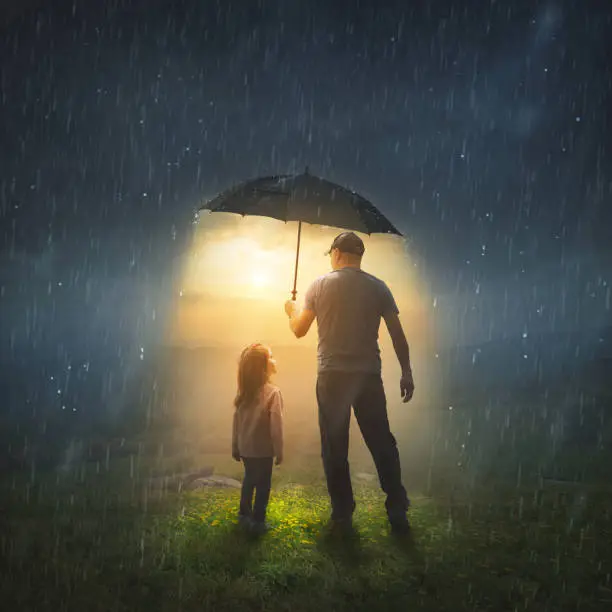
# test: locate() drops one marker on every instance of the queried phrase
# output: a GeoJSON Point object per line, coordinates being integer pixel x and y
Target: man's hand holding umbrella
{"type": "Point", "coordinates": [290, 308]}
{"type": "Point", "coordinates": [299, 321]}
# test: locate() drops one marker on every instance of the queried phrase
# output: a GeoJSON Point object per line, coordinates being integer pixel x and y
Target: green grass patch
{"type": "Point", "coordinates": [98, 542]}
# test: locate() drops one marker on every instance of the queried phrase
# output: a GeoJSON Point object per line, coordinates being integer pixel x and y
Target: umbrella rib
{"type": "Point", "coordinates": [360, 204]}
{"type": "Point", "coordinates": [360, 209]}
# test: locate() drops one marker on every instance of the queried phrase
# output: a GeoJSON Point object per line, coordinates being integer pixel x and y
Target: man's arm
{"type": "Point", "coordinates": [299, 321]}
{"type": "Point", "coordinates": [400, 344]}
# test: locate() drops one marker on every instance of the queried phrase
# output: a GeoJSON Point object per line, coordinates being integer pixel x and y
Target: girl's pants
{"type": "Point", "coordinates": [258, 480]}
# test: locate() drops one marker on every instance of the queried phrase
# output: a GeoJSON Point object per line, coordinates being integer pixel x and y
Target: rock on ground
{"type": "Point", "coordinates": [214, 481]}
{"type": "Point", "coordinates": [366, 477]}
{"type": "Point", "coordinates": [180, 480]}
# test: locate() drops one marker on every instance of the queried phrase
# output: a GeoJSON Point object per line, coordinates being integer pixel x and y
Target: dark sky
{"type": "Point", "coordinates": [483, 133]}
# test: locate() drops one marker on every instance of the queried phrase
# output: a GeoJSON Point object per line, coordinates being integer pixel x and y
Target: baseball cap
{"type": "Point", "coordinates": [347, 242]}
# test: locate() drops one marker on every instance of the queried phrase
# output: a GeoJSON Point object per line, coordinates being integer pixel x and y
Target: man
{"type": "Point", "coordinates": [348, 304]}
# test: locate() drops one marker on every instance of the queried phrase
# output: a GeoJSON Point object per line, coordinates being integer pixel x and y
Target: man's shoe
{"type": "Point", "coordinates": [400, 525]}
{"type": "Point", "coordinates": [341, 526]}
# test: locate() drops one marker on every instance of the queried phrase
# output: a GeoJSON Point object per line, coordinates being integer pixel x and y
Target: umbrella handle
{"type": "Point", "coordinates": [297, 257]}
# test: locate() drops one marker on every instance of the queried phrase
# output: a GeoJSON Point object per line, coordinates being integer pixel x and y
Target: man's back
{"type": "Point", "coordinates": [349, 304]}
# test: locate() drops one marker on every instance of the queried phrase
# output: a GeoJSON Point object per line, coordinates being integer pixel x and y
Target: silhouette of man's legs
{"type": "Point", "coordinates": [335, 392]}
{"type": "Point", "coordinates": [370, 407]}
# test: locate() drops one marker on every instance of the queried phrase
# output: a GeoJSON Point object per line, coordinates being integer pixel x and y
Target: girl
{"type": "Point", "coordinates": [257, 433]}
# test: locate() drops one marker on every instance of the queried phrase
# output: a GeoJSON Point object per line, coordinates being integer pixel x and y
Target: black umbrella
{"type": "Point", "coordinates": [304, 198]}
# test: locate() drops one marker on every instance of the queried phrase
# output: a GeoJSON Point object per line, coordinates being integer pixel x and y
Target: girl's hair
{"type": "Point", "coordinates": [252, 373]}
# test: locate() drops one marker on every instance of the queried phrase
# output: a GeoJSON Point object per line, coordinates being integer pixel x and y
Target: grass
{"type": "Point", "coordinates": [93, 542]}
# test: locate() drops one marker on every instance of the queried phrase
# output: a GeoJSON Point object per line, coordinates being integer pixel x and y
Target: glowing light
{"type": "Point", "coordinates": [246, 265]}
{"type": "Point", "coordinates": [260, 279]}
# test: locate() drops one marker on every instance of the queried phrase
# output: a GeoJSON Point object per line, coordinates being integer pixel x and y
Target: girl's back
{"type": "Point", "coordinates": [258, 425]}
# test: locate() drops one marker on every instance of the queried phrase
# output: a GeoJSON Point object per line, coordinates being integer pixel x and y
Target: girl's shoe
{"type": "Point", "coordinates": [245, 521]}
{"type": "Point", "coordinates": [259, 527]}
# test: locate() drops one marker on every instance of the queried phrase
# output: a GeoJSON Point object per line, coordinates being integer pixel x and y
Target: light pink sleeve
{"type": "Point", "coordinates": [235, 450]}
{"type": "Point", "coordinates": [277, 411]}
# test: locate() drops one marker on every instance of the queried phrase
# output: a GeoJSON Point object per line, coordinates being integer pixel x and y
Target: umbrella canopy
{"type": "Point", "coordinates": [305, 198]}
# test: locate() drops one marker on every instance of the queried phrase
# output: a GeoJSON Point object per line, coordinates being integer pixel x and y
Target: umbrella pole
{"type": "Point", "coordinates": [297, 257]}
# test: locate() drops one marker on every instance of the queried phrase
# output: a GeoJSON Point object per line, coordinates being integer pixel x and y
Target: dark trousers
{"type": "Point", "coordinates": [258, 480]}
{"type": "Point", "coordinates": [337, 392]}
